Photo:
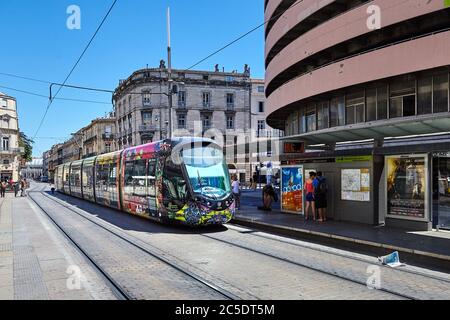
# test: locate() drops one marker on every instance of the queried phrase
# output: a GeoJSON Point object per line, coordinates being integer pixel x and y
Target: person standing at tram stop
{"type": "Point", "coordinates": [236, 191]}
{"type": "Point", "coordinates": [320, 194]}
{"type": "Point", "coordinates": [310, 196]}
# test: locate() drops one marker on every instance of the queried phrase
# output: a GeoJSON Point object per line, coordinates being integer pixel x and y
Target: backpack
{"type": "Point", "coordinates": [322, 187]}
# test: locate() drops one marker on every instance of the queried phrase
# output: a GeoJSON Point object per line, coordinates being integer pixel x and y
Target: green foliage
{"type": "Point", "coordinates": [26, 143]}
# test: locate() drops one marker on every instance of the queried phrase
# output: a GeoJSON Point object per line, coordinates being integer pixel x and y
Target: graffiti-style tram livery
{"type": "Point", "coordinates": [179, 180]}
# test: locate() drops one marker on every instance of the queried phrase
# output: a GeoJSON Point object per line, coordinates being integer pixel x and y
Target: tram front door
{"type": "Point", "coordinates": [441, 191]}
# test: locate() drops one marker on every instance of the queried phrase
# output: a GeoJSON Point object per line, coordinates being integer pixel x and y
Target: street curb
{"type": "Point", "coordinates": [299, 232]}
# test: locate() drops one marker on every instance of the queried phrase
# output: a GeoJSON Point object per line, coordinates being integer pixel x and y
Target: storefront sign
{"type": "Point", "coordinates": [292, 189]}
{"type": "Point", "coordinates": [407, 185]}
{"type": "Point", "coordinates": [354, 159]}
{"type": "Point", "coordinates": [355, 185]}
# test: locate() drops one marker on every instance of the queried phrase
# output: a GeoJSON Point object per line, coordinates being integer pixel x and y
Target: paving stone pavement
{"type": "Point", "coordinates": [35, 257]}
{"type": "Point", "coordinates": [140, 274]}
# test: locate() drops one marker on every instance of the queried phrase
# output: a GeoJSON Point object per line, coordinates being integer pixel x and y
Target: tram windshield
{"type": "Point", "coordinates": [207, 172]}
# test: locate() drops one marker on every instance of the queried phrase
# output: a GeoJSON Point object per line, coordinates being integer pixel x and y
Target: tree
{"type": "Point", "coordinates": [26, 143]}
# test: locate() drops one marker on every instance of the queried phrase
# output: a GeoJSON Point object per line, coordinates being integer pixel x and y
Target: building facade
{"type": "Point", "coordinates": [203, 100]}
{"type": "Point", "coordinates": [366, 80]}
{"type": "Point", "coordinates": [99, 137]}
{"type": "Point", "coordinates": [9, 138]}
{"type": "Point", "coordinates": [95, 139]}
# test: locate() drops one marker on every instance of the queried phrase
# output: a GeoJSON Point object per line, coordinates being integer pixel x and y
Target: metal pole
{"type": "Point", "coordinates": [169, 74]}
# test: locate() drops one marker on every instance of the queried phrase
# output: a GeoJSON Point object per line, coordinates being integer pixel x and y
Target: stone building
{"type": "Point", "coordinates": [95, 139]}
{"type": "Point", "coordinates": [98, 137]}
{"type": "Point", "coordinates": [9, 139]}
{"type": "Point", "coordinates": [204, 100]}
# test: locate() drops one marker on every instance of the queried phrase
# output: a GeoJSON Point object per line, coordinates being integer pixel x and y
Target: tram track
{"type": "Point", "coordinates": [120, 290]}
{"type": "Point", "coordinates": [272, 256]}
{"type": "Point", "coordinates": [341, 255]}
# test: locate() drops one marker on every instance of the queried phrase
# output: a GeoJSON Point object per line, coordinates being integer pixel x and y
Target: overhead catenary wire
{"type": "Point", "coordinates": [61, 98]}
{"type": "Point", "coordinates": [74, 66]}
{"type": "Point", "coordinates": [243, 35]}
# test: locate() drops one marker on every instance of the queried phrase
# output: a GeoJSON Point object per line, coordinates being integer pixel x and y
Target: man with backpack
{"type": "Point", "coordinates": [320, 193]}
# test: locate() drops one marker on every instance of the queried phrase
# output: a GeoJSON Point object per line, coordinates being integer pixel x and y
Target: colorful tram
{"type": "Point", "coordinates": [183, 180]}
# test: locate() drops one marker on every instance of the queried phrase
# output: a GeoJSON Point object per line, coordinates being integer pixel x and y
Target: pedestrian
{"type": "Point", "coordinates": [23, 186]}
{"type": "Point", "coordinates": [310, 200]}
{"type": "Point", "coordinates": [251, 183]}
{"type": "Point", "coordinates": [320, 193]}
{"type": "Point", "coordinates": [269, 195]}
{"type": "Point", "coordinates": [236, 191]}
{"type": "Point", "coordinates": [16, 188]}
{"type": "Point", "coordinates": [255, 178]}
{"type": "Point", "coordinates": [3, 187]}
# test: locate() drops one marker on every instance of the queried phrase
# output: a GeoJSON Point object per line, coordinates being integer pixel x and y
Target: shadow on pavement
{"type": "Point", "coordinates": [130, 222]}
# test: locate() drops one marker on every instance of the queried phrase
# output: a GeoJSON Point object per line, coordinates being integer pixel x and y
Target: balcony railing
{"type": "Point", "coordinates": [12, 151]}
{"type": "Point", "coordinates": [230, 106]}
{"type": "Point", "coordinates": [147, 128]}
{"type": "Point", "coordinates": [108, 136]}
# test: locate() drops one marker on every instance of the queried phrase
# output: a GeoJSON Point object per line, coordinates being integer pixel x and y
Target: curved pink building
{"type": "Point", "coordinates": [370, 75]}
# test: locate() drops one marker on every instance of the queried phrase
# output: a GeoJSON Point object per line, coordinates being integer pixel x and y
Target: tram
{"type": "Point", "coordinates": [181, 180]}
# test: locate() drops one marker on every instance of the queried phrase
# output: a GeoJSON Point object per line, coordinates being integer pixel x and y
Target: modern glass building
{"type": "Point", "coordinates": [363, 86]}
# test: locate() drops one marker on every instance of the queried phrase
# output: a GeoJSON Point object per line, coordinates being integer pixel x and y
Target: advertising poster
{"type": "Point", "coordinates": [355, 185]}
{"type": "Point", "coordinates": [406, 186]}
{"type": "Point", "coordinates": [292, 189]}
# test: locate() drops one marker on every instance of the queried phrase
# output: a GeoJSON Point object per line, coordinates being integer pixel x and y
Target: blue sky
{"type": "Point", "coordinates": [36, 43]}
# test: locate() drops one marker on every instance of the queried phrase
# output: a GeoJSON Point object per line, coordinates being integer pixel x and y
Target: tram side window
{"type": "Point", "coordinates": [77, 178]}
{"type": "Point", "coordinates": [112, 176]}
{"type": "Point", "coordinates": [174, 183]}
{"type": "Point", "coordinates": [139, 177]}
{"type": "Point", "coordinates": [102, 177]}
{"type": "Point", "coordinates": [128, 177]}
{"type": "Point", "coordinates": [151, 173]}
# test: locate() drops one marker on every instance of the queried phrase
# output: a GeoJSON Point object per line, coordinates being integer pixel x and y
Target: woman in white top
{"type": "Point", "coordinates": [236, 192]}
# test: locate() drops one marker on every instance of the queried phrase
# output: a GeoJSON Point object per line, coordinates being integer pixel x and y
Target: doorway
{"type": "Point", "coordinates": [441, 191]}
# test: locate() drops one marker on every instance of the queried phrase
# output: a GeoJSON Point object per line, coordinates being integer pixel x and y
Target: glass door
{"type": "Point", "coordinates": [441, 216]}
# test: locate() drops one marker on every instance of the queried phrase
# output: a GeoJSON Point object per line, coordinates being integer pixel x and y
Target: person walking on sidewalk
{"type": "Point", "coordinates": [3, 187]}
{"type": "Point", "coordinates": [310, 200]}
{"type": "Point", "coordinates": [320, 193]}
{"type": "Point", "coordinates": [23, 186]}
{"type": "Point", "coordinates": [236, 191]}
{"type": "Point", "coordinates": [16, 188]}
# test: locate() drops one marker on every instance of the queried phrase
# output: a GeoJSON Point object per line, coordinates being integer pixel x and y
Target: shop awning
{"type": "Point", "coordinates": [399, 127]}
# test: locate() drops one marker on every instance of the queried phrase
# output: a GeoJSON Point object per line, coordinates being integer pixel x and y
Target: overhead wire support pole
{"type": "Point", "coordinates": [169, 74]}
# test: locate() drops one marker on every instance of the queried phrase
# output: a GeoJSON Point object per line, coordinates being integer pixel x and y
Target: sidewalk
{"type": "Point", "coordinates": [36, 261]}
{"type": "Point", "coordinates": [425, 247]}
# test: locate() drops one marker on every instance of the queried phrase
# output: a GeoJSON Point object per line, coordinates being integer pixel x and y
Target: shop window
{"type": "Point", "coordinates": [382, 103]}
{"type": "Point", "coordinates": [337, 112]}
{"type": "Point", "coordinates": [440, 93]}
{"type": "Point", "coordinates": [302, 121]}
{"type": "Point", "coordinates": [355, 104]}
{"type": "Point", "coordinates": [403, 99]}
{"type": "Point", "coordinates": [323, 115]}
{"type": "Point", "coordinates": [424, 95]}
{"type": "Point", "coordinates": [311, 118]}
{"type": "Point", "coordinates": [371, 103]}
